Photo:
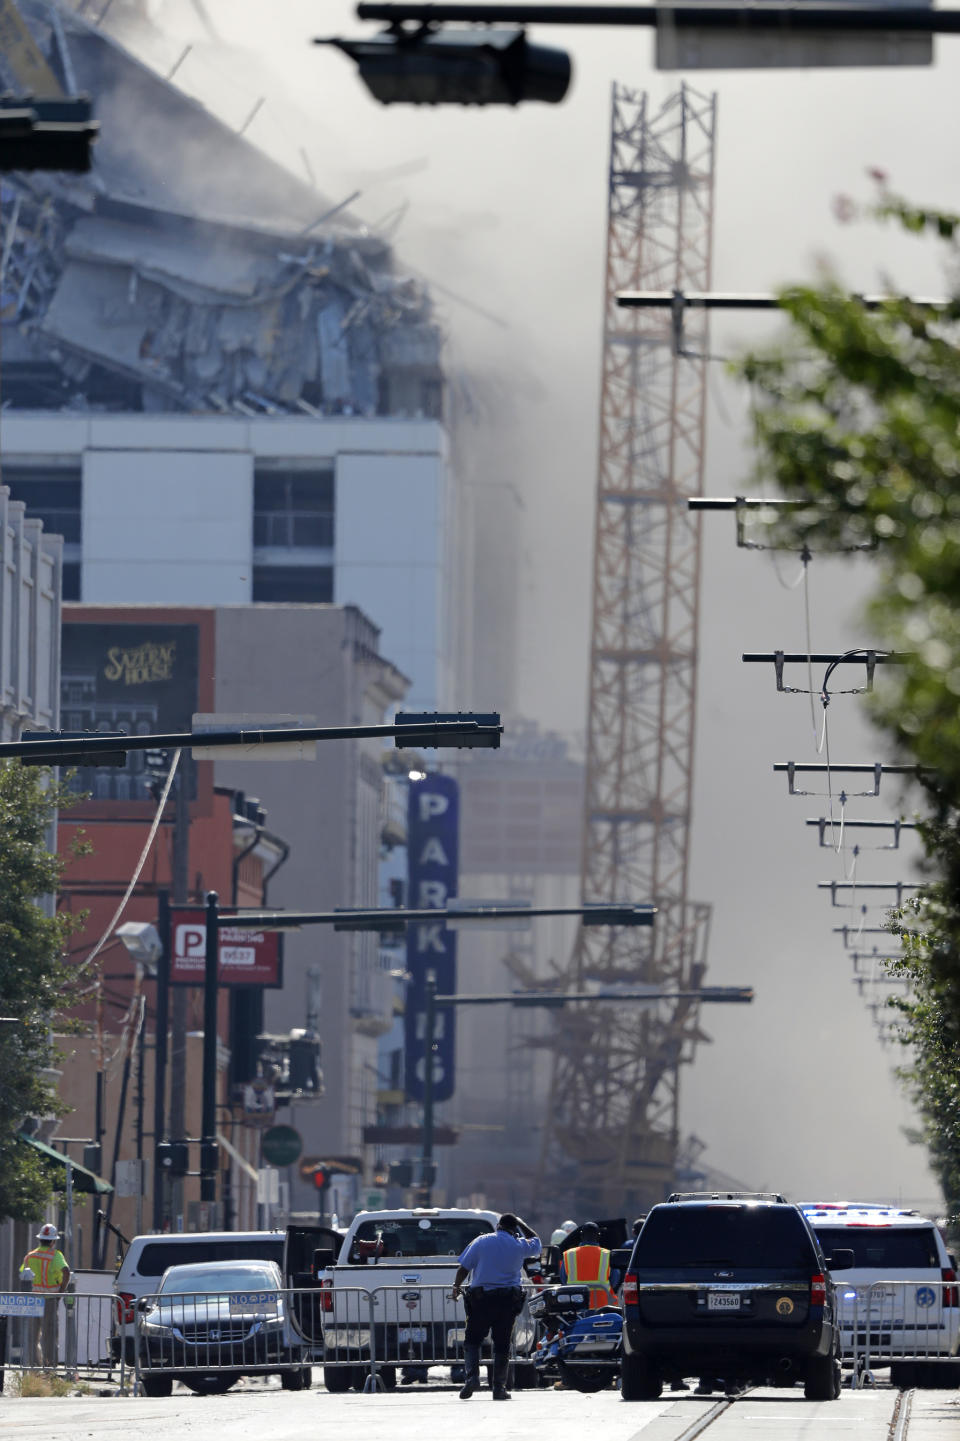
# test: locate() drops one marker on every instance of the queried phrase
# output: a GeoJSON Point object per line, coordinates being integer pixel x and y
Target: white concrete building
{"type": "Point", "coordinates": [169, 509]}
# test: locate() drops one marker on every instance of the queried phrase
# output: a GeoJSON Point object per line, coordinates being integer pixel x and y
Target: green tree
{"type": "Point", "coordinates": [857, 420]}
{"type": "Point", "coordinates": [34, 978]}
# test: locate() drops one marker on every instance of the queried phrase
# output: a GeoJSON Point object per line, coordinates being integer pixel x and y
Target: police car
{"type": "Point", "coordinates": [900, 1297]}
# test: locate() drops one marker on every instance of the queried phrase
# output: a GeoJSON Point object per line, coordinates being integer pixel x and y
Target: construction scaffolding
{"type": "Point", "coordinates": [611, 1136]}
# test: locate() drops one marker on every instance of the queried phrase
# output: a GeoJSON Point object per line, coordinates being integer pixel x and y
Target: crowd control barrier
{"type": "Point", "coordinates": [65, 1334]}
{"type": "Point", "coordinates": [363, 1337]}
{"type": "Point", "coordinates": [910, 1326]}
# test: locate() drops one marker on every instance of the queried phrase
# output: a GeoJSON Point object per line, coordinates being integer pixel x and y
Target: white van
{"type": "Point", "coordinates": [900, 1296]}
{"type": "Point", "coordinates": [147, 1257]}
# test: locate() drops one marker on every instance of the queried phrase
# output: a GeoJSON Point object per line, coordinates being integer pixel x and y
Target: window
{"type": "Point", "coordinates": [446, 1236]}
{"type": "Point", "coordinates": [293, 508]}
{"type": "Point", "coordinates": [71, 580]}
{"type": "Point", "coordinates": [729, 1236]}
{"type": "Point", "coordinates": [51, 494]}
{"type": "Point", "coordinates": [157, 1256]}
{"type": "Point", "coordinates": [293, 584]}
{"type": "Point", "coordinates": [882, 1246]}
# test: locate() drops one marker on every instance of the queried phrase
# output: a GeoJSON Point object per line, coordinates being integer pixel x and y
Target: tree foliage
{"type": "Point", "coordinates": [857, 421]}
{"type": "Point", "coordinates": [34, 978]}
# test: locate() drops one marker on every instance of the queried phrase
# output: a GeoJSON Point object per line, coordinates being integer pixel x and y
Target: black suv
{"type": "Point", "coordinates": [734, 1291]}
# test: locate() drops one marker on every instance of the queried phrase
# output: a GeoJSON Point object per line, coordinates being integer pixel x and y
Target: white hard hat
{"type": "Point", "coordinates": [569, 1226]}
{"type": "Point", "coordinates": [48, 1232]}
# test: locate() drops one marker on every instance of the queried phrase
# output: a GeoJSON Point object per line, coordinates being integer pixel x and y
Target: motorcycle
{"type": "Point", "coordinates": [579, 1346]}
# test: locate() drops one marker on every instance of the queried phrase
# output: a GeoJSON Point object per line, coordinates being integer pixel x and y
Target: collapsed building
{"type": "Point", "coordinates": [187, 271]}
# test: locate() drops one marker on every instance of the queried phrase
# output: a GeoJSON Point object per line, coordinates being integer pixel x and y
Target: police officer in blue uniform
{"type": "Point", "coordinates": [494, 1298]}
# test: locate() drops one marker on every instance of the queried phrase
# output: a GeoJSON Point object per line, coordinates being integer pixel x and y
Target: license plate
{"type": "Point", "coordinates": [722, 1301]}
{"type": "Point", "coordinates": [413, 1333]}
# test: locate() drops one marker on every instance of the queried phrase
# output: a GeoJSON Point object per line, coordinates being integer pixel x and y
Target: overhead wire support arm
{"type": "Point", "coordinates": [877, 769]}
{"type": "Point", "coordinates": [899, 886]}
{"type": "Point", "coordinates": [868, 658]}
{"type": "Point", "coordinates": [896, 825]}
{"type": "Point", "coordinates": [679, 301]}
{"type": "Point", "coordinates": [857, 931]}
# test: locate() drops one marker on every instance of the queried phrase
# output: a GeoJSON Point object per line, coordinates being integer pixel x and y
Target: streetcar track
{"type": "Point", "coordinates": [697, 1427]}
{"type": "Point", "coordinates": [900, 1420]}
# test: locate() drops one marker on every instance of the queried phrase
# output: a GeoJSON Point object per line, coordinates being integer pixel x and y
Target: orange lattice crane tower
{"type": "Point", "coordinates": [611, 1136]}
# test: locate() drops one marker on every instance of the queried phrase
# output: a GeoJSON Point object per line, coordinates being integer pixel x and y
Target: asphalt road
{"type": "Point", "coordinates": [252, 1412]}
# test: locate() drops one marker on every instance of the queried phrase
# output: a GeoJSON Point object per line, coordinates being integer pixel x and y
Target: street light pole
{"type": "Point", "coordinates": [208, 1130]}
{"type": "Point", "coordinates": [430, 1022]}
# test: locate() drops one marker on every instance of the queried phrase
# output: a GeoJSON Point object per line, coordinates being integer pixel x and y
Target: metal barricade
{"type": "Point", "coordinates": [210, 1339]}
{"type": "Point", "coordinates": [411, 1326]}
{"type": "Point", "coordinates": [889, 1322]}
{"type": "Point", "coordinates": [62, 1334]}
{"type": "Point", "coordinates": [362, 1336]}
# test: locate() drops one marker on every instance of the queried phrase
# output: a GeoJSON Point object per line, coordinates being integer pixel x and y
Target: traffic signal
{"type": "Point", "coordinates": [401, 1173]}
{"type": "Point", "coordinates": [173, 1157]}
{"type": "Point", "coordinates": [319, 1179]}
{"type": "Point", "coordinates": [46, 134]}
{"type": "Point", "coordinates": [306, 1077]}
{"type": "Point", "coordinates": [458, 66]}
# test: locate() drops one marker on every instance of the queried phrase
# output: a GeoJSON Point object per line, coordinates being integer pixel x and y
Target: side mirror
{"type": "Point", "coordinates": [840, 1260]}
{"type": "Point", "coordinates": [146, 1303]}
{"type": "Point", "coordinates": [322, 1259]}
{"type": "Point", "coordinates": [620, 1258]}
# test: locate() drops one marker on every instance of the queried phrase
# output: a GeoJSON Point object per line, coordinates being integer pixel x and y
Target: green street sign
{"type": "Point", "coordinates": [282, 1145]}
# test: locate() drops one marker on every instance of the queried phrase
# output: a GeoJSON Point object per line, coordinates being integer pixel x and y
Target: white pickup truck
{"type": "Point", "coordinates": [388, 1286]}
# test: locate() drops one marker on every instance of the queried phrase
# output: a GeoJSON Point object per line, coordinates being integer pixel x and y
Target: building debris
{"type": "Point", "coordinates": [147, 285]}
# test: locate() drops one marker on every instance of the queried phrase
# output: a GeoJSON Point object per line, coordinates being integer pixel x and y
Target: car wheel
{"type": "Point", "coordinates": [821, 1379]}
{"type": "Point", "coordinates": [218, 1383]}
{"type": "Point", "coordinates": [338, 1378]}
{"type": "Point", "coordinates": [156, 1385]}
{"type": "Point", "coordinates": [637, 1381]}
{"type": "Point", "coordinates": [295, 1379]}
{"type": "Point", "coordinates": [388, 1375]}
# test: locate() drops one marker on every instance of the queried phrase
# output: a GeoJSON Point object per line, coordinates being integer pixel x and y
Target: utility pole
{"type": "Point", "coordinates": [161, 1026]}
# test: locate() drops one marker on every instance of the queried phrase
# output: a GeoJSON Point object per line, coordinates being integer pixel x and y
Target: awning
{"type": "Point", "coordinates": [83, 1180]}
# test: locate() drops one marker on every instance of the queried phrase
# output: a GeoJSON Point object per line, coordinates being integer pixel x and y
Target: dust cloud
{"type": "Point", "coordinates": [506, 213]}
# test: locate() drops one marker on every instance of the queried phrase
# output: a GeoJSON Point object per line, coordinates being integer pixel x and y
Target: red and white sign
{"type": "Point", "coordinates": [247, 957]}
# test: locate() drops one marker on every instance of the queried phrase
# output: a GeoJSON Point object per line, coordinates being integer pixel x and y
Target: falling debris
{"type": "Point", "coordinates": [148, 284]}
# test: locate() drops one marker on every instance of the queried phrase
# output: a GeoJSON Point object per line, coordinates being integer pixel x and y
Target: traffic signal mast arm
{"type": "Point", "coordinates": [737, 995]}
{"type": "Point", "coordinates": [419, 730]}
{"type": "Point", "coordinates": [389, 918]}
{"type": "Point", "coordinates": [728, 17]}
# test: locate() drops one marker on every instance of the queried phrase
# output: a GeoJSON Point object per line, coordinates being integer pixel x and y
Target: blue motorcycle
{"type": "Point", "coordinates": [579, 1346]}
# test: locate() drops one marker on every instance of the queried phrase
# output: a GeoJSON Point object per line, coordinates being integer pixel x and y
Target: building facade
{"type": "Point", "coordinates": [155, 667]}
{"type": "Point", "coordinates": [216, 510]}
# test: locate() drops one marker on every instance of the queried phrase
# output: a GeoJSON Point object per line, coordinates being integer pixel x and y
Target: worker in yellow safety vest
{"type": "Point", "coordinates": [51, 1274]}
{"type": "Point", "coordinates": [589, 1264]}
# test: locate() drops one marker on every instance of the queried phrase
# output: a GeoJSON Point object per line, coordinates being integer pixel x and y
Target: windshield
{"type": "Point", "coordinates": [215, 1279]}
{"type": "Point", "coordinates": [733, 1236]}
{"type": "Point", "coordinates": [421, 1236]}
{"type": "Point", "coordinates": [883, 1248]}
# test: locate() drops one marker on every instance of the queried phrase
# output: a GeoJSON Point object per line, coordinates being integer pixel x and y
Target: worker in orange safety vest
{"type": "Point", "coordinates": [48, 1267]}
{"type": "Point", "coordinates": [589, 1264]}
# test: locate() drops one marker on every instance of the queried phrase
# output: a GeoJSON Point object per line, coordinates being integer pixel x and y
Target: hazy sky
{"type": "Point", "coordinates": [508, 210]}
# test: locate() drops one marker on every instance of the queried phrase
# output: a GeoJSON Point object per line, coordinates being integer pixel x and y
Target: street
{"type": "Point", "coordinates": [253, 1410]}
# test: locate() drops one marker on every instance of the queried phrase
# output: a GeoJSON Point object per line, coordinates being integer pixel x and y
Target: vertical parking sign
{"type": "Point", "coordinates": [432, 859]}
